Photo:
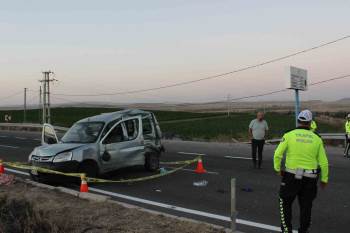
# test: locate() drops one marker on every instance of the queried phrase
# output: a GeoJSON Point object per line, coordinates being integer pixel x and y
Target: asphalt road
{"type": "Point", "coordinates": [223, 161]}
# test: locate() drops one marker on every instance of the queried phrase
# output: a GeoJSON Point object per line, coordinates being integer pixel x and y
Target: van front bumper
{"type": "Point", "coordinates": [64, 167]}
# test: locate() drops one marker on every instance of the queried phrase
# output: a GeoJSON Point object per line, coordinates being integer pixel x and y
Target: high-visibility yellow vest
{"type": "Point", "coordinates": [304, 149]}
{"type": "Point", "coordinates": [313, 126]}
{"type": "Point", "coordinates": [347, 127]}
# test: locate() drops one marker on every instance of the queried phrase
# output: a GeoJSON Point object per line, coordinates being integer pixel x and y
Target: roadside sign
{"type": "Point", "coordinates": [297, 79]}
{"type": "Point", "coordinates": [8, 118]}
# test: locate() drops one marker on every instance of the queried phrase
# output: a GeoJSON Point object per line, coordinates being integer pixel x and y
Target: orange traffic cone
{"type": "Point", "coordinates": [200, 169]}
{"type": "Point", "coordinates": [84, 186]}
{"type": "Point", "coordinates": [2, 169]}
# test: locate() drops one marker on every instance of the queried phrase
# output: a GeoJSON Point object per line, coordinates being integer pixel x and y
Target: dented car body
{"type": "Point", "coordinates": [100, 144]}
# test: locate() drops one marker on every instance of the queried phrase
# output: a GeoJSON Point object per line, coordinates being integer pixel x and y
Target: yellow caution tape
{"type": "Point", "coordinates": [39, 169]}
{"type": "Point", "coordinates": [97, 180]}
{"type": "Point", "coordinates": [182, 162]}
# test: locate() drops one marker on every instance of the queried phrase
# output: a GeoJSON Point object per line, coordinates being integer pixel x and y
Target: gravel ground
{"type": "Point", "coordinates": [28, 209]}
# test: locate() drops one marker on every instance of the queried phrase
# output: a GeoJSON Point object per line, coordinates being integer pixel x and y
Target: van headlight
{"type": "Point", "coordinates": [63, 157]}
{"type": "Point", "coordinates": [34, 152]}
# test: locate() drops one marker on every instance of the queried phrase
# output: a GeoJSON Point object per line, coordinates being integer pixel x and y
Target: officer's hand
{"type": "Point", "coordinates": [323, 185]}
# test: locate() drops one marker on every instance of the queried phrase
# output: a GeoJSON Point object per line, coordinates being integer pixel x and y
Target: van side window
{"type": "Point", "coordinates": [108, 127]}
{"type": "Point", "coordinates": [115, 136]}
{"type": "Point", "coordinates": [132, 128]}
{"type": "Point", "coordinates": [147, 126]}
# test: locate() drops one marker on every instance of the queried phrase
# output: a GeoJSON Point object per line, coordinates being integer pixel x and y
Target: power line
{"type": "Point", "coordinates": [329, 80]}
{"type": "Point", "coordinates": [284, 90]}
{"type": "Point", "coordinates": [243, 97]}
{"type": "Point", "coordinates": [213, 76]}
{"type": "Point", "coordinates": [260, 95]}
{"type": "Point", "coordinates": [271, 92]}
{"type": "Point", "coordinates": [10, 96]}
{"type": "Point", "coordinates": [69, 101]}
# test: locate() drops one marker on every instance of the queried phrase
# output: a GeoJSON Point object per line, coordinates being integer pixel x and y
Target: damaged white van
{"type": "Point", "coordinates": [100, 144]}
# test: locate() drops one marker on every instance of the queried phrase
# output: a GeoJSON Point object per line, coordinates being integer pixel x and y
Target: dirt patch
{"type": "Point", "coordinates": [28, 209]}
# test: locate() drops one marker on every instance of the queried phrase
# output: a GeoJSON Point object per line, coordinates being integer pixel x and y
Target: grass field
{"type": "Point", "coordinates": [67, 116]}
{"type": "Point", "coordinates": [186, 125]}
{"type": "Point", "coordinates": [236, 126]}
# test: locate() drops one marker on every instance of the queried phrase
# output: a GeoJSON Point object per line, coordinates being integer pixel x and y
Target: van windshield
{"type": "Point", "coordinates": [83, 132]}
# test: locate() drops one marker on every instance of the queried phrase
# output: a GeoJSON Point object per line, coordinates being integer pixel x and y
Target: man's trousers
{"type": "Point", "coordinates": [257, 146]}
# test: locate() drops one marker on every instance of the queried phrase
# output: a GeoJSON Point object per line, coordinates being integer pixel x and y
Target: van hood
{"type": "Point", "coordinates": [54, 149]}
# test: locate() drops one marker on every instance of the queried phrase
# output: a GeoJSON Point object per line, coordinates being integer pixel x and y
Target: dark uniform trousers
{"type": "Point", "coordinates": [347, 146]}
{"type": "Point", "coordinates": [305, 190]}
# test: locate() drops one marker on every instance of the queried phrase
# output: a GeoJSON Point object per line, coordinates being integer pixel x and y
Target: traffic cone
{"type": "Point", "coordinates": [2, 169]}
{"type": "Point", "coordinates": [84, 186]}
{"type": "Point", "coordinates": [200, 169]}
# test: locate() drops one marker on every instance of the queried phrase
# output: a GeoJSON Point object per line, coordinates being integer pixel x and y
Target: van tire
{"type": "Point", "coordinates": [90, 168]}
{"type": "Point", "coordinates": [152, 162]}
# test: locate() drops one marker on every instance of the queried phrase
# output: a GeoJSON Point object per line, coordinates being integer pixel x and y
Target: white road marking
{"type": "Point", "coordinates": [191, 170]}
{"type": "Point", "coordinates": [176, 208]}
{"type": "Point", "coordinates": [188, 211]}
{"type": "Point", "coordinates": [7, 146]}
{"type": "Point", "coordinates": [190, 153]}
{"type": "Point", "coordinates": [16, 171]}
{"type": "Point", "coordinates": [237, 157]}
{"type": "Point", "coordinates": [21, 138]}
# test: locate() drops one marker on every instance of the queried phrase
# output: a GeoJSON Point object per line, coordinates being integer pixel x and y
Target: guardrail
{"type": "Point", "coordinates": [326, 136]}
{"type": "Point", "coordinates": [38, 127]}
{"type": "Point", "coordinates": [28, 127]}
{"type": "Point", "coordinates": [333, 136]}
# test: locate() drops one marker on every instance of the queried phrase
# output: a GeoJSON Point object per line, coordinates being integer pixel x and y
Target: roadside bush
{"type": "Point", "coordinates": [20, 216]}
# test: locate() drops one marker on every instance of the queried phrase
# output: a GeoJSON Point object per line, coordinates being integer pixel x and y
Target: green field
{"type": "Point", "coordinates": [236, 126]}
{"type": "Point", "coordinates": [185, 125]}
{"type": "Point", "coordinates": [67, 116]}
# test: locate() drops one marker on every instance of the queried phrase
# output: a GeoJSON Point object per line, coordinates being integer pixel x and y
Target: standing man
{"type": "Point", "coordinates": [305, 154]}
{"type": "Point", "coordinates": [347, 136]}
{"type": "Point", "coordinates": [257, 131]}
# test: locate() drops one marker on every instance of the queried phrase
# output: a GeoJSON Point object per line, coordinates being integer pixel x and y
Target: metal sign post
{"type": "Point", "coordinates": [233, 206]}
{"type": "Point", "coordinates": [297, 106]}
{"type": "Point", "coordinates": [297, 80]}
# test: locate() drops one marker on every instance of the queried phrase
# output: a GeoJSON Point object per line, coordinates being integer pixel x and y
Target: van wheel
{"type": "Point", "coordinates": [89, 168]}
{"type": "Point", "coordinates": [152, 162]}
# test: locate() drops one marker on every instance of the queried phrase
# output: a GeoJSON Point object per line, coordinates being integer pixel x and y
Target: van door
{"type": "Point", "coordinates": [48, 135]}
{"type": "Point", "coordinates": [123, 145]}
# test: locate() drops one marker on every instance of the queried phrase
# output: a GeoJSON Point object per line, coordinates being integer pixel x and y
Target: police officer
{"type": "Point", "coordinates": [305, 153]}
{"type": "Point", "coordinates": [347, 135]}
{"type": "Point", "coordinates": [313, 126]}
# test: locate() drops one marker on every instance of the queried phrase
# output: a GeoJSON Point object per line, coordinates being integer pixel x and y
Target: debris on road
{"type": "Point", "coordinates": [201, 183]}
{"type": "Point", "coordinates": [221, 191]}
{"type": "Point", "coordinates": [41, 210]}
{"type": "Point", "coordinates": [162, 170]}
{"type": "Point", "coordinates": [247, 189]}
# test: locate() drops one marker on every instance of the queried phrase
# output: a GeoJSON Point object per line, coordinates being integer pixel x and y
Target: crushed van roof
{"type": "Point", "coordinates": [107, 117]}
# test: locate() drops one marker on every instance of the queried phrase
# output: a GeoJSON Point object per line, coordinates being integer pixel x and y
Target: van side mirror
{"type": "Point", "coordinates": [50, 140]}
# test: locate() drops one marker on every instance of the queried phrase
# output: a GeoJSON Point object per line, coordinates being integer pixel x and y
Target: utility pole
{"type": "Point", "coordinates": [40, 104]}
{"type": "Point", "coordinates": [25, 106]}
{"type": "Point", "coordinates": [228, 105]}
{"type": "Point", "coordinates": [46, 96]}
